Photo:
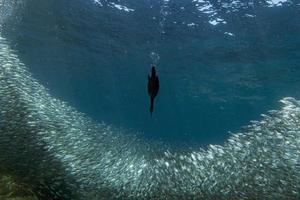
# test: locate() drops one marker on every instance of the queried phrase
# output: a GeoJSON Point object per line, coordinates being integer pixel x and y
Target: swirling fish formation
{"type": "Point", "coordinates": [62, 154]}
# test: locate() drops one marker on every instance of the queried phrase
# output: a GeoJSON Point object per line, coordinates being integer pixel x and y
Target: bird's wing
{"type": "Point", "coordinates": [157, 86]}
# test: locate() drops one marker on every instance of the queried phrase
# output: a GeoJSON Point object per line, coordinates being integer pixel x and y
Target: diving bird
{"type": "Point", "coordinates": [153, 87]}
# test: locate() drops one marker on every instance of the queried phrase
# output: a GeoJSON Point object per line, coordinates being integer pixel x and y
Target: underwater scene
{"type": "Point", "coordinates": [149, 99]}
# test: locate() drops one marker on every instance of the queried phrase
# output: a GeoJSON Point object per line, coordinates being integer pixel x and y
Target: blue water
{"type": "Point", "coordinates": [214, 78]}
{"type": "Point", "coordinates": [221, 65]}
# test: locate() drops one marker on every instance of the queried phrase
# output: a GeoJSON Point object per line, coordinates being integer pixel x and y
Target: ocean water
{"type": "Point", "coordinates": [221, 65]}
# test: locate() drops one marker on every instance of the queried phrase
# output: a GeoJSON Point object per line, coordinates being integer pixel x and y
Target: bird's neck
{"type": "Point", "coordinates": [153, 74]}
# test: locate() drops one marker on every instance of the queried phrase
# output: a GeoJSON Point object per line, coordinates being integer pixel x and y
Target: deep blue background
{"type": "Point", "coordinates": [97, 59]}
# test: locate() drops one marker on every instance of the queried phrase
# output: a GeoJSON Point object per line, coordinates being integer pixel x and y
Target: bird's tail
{"type": "Point", "coordinates": [151, 106]}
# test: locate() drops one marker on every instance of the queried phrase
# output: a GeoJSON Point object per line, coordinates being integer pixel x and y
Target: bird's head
{"type": "Point", "coordinates": [153, 71]}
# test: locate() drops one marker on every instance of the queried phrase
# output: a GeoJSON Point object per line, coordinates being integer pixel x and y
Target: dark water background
{"type": "Point", "coordinates": [97, 59]}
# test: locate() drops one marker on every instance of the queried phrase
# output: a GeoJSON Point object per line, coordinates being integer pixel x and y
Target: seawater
{"type": "Point", "coordinates": [221, 64]}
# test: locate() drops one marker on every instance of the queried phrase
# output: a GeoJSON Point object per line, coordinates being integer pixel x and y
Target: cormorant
{"type": "Point", "coordinates": [153, 87]}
